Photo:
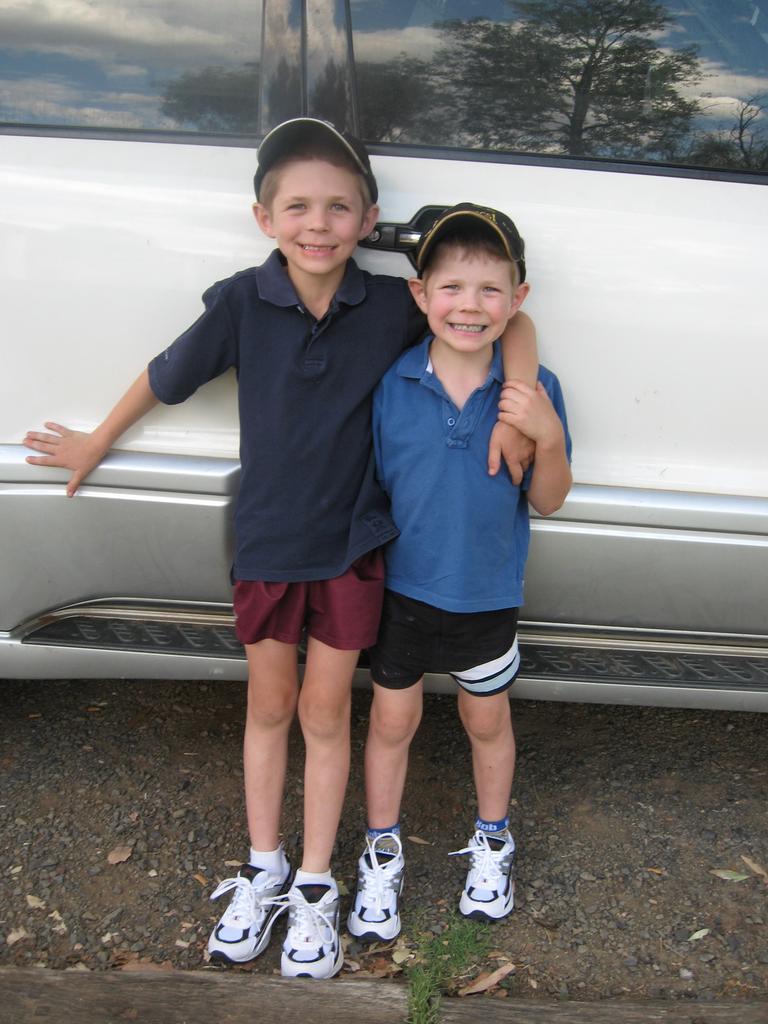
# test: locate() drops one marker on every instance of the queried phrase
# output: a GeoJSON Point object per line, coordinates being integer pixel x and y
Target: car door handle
{"type": "Point", "coordinates": [403, 238]}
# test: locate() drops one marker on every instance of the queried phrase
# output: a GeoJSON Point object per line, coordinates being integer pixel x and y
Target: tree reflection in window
{"type": "Point", "coordinates": [597, 79]}
{"type": "Point", "coordinates": [215, 99]}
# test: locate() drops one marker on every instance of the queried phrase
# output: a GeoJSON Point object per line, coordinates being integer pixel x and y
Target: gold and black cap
{"type": "Point", "coordinates": [497, 221]}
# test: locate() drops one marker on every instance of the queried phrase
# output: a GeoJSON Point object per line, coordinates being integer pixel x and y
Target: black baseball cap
{"type": "Point", "coordinates": [300, 131]}
{"type": "Point", "coordinates": [499, 222]}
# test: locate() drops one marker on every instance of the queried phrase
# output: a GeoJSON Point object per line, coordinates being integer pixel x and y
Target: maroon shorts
{"type": "Point", "coordinates": [343, 612]}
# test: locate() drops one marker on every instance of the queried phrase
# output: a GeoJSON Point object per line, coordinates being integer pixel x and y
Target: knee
{"type": "Point", "coordinates": [485, 723]}
{"type": "Point", "coordinates": [324, 719]}
{"type": "Point", "coordinates": [394, 726]}
{"type": "Point", "coordinates": [271, 709]}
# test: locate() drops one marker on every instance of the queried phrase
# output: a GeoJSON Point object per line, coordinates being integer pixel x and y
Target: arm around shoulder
{"type": "Point", "coordinates": [551, 475]}
{"type": "Point", "coordinates": [521, 362]}
{"type": "Point", "coordinates": [519, 351]}
{"type": "Point", "coordinates": [551, 479]}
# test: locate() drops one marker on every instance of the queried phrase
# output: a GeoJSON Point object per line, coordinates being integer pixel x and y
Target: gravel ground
{"type": "Point", "coordinates": [621, 817]}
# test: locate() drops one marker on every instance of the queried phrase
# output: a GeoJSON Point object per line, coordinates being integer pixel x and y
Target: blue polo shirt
{"type": "Point", "coordinates": [464, 534]}
{"type": "Point", "coordinates": [309, 502]}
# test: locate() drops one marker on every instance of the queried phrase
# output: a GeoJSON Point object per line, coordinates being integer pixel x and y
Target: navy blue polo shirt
{"type": "Point", "coordinates": [464, 535]}
{"type": "Point", "coordinates": [309, 502]}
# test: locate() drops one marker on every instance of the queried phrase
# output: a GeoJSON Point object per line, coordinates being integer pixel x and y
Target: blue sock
{"type": "Point", "coordinates": [492, 827]}
{"type": "Point", "coordinates": [373, 833]}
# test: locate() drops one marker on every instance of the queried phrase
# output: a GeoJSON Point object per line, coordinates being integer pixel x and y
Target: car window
{"type": "Point", "coordinates": [145, 65]}
{"type": "Point", "coordinates": [675, 83]}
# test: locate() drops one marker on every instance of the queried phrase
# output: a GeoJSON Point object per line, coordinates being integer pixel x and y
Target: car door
{"type": "Point", "coordinates": [631, 151]}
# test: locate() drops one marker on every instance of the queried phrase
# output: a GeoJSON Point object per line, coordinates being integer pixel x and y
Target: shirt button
{"type": "Point", "coordinates": [451, 421]}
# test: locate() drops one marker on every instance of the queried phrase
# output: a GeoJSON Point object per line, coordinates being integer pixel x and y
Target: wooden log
{"type": "Point", "coordinates": [32, 996]}
{"type": "Point", "coordinates": [39, 996]}
{"type": "Point", "coordinates": [611, 1011]}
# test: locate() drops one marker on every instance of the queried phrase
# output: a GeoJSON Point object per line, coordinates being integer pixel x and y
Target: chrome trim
{"type": "Point", "coordinates": [658, 640]}
{"type": "Point", "coordinates": [661, 509]}
{"type": "Point", "coordinates": [571, 635]}
{"type": "Point", "coordinates": [135, 610]}
{"type": "Point", "coordinates": [150, 471]}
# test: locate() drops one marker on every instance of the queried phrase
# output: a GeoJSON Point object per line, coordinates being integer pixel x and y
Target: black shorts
{"type": "Point", "coordinates": [479, 649]}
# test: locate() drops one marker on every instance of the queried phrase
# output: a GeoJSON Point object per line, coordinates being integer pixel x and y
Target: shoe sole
{"type": "Point", "coordinates": [219, 957]}
{"type": "Point", "coordinates": [480, 915]}
{"type": "Point", "coordinates": [367, 937]}
{"type": "Point", "coordinates": [322, 977]}
{"type": "Point", "coordinates": [477, 914]}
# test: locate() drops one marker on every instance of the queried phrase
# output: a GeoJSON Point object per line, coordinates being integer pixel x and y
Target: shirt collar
{"type": "Point", "coordinates": [415, 363]}
{"type": "Point", "coordinates": [275, 285]}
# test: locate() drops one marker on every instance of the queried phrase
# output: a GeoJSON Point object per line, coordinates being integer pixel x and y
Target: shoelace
{"type": "Point", "coordinates": [485, 861]}
{"type": "Point", "coordinates": [376, 882]}
{"type": "Point", "coordinates": [243, 903]}
{"type": "Point", "coordinates": [309, 919]}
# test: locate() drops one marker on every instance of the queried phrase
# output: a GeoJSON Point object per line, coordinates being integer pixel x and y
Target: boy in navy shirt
{"type": "Point", "coordinates": [455, 572]}
{"type": "Point", "coordinates": [310, 336]}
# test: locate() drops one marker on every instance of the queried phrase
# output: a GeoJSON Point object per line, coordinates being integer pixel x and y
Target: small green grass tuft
{"type": "Point", "coordinates": [440, 962]}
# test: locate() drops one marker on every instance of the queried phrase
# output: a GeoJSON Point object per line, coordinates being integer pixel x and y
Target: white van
{"type": "Point", "coordinates": [631, 149]}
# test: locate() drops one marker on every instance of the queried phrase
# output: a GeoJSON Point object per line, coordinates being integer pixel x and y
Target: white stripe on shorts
{"type": "Point", "coordinates": [493, 676]}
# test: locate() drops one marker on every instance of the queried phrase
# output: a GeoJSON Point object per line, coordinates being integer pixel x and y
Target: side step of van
{"type": "Point", "coordinates": [578, 663]}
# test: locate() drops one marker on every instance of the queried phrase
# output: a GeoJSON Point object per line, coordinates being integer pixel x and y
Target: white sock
{"type": "Point", "coordinates": [272, 861]}
{"type": "Point", "coordinates": [314, 878]}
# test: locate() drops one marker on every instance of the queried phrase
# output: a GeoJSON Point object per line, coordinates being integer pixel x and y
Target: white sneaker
{"type": "Point", "coordinates": [374, 915]}
{"type": "Point", "coordinates": [244, 928]}
{"type": "Point", "coordinates": [311, 948]}
{"type": "Point", "coordinates": [489, 891]}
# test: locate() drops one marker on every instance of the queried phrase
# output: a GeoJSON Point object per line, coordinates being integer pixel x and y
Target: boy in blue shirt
{"type": "Point", "coordinates": [310, 335]}
{"type": "Point", "coordinates": [454, 575]}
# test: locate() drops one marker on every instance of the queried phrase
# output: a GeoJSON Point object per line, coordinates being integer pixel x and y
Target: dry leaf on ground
{"type": "Point", "coordinates": [381, 967]}
{"type": "Point", "coordinates": [119, 854]}
{"type": "Point", "coordinates": [419, 841]}
{"type": "Point", "coordinates": [728, 875]}
{"type": "Point", "coordinates": [754, 866]}
{"type": "Point", "coordinates": [485, 981]}
{"type": "Point", "coordinates": [17, 936]}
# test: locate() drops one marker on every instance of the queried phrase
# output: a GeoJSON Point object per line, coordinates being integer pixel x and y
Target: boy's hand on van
{"type": "Point", "coordinates": [508, 443]}
{"type": "Point", "coordinates": [530, 410]}
{"type": "Point", "coordinates": [67, 449]}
